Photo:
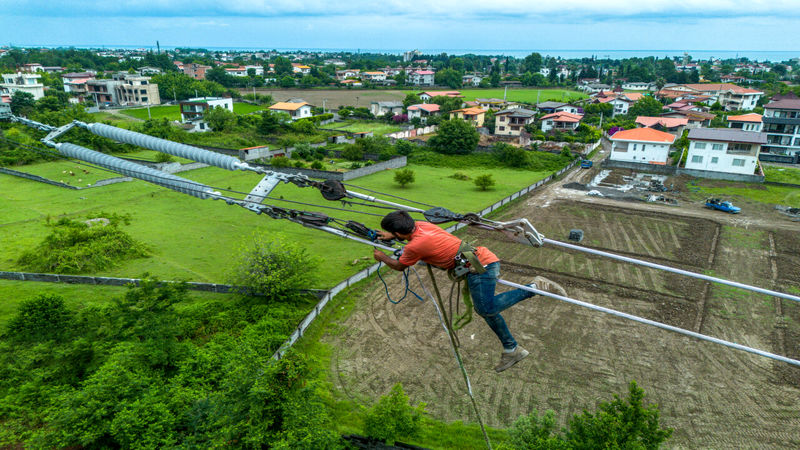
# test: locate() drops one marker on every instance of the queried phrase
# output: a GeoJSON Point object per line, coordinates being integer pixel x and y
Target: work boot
{"type": "Point", "coordinates": [544, 284]}
{"type": "Point", "coordinates": [508, 359]}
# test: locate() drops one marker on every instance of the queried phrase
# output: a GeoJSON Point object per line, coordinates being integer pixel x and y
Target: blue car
{"type": "Point", "coordinates": [586, 163]}
{"type": "Point", "coordinates": [715, 203]}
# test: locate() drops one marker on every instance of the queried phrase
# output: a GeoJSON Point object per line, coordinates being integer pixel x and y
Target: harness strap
{"type": "Point", "coordinates": [468, 252]}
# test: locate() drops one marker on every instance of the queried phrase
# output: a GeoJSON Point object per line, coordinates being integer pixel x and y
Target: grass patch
{"type": "Point", "coordinates": [377, 128]}
{"type": "Point", "coordinates": [781, 174]}
{"type": "Point", "coordinates": [761, 193]}
{"type": "Point", "coordinates": [113, 119]}
{"type": "Point", "coordinates": [247, 108]}
{"type": "Point", "coordinates": [524, 95]}
{"type": "Point", "coordinates": [171, 112]}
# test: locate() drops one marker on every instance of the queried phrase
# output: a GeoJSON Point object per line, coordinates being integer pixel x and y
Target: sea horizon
{"type": "Point", "coordinates": [695, 54]}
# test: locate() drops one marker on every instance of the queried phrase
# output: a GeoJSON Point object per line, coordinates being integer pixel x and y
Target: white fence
{"type": "Point", "coordinates": [414, 132]}
{"type": "Point", "coordinates": [309, 319]}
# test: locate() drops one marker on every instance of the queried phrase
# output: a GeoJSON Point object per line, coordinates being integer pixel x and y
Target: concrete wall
{"type": "Point", "coordinates": [17, 173]}
{"type": "Point", "coordinates": [721, 175]}
{"type": "Point", "coordinates": [394, 163]}
{"type": "Point", "coordinates": [654, 168]}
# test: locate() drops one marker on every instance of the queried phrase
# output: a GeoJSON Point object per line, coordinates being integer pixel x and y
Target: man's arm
{"type": "Point", "coordinates": [384, 258]}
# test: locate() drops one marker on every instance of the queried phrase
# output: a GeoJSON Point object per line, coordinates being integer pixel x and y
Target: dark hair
{"type": "Point", "coordinates": [398, 222]}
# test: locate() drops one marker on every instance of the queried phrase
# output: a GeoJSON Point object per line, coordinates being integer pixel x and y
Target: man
{"type": "Point", "coordinates": [433, 245]}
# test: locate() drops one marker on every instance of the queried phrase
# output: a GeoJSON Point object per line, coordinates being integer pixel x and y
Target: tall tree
{"type": "Point", "coordinates": [455, 137]}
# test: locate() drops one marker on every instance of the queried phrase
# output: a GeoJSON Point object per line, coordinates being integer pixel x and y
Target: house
{"type": "Point", "coordinates": [639, 86]}
{"type": "Point", "coordinates": [641, 145]}
{"type": "Point", "coordinates": [672, 125]}
{"type": "Point", "coordinates": [301, 68]}
{"type": "Point", "coordinates": [103, 91]}
{"type": "Point", "coordinates": [5, 110]}
{"type": "Point", "coordinates": [32, 67]}
{"type": "Point", "coordinates": [196, 71]}
{"type": "Point", "coordinates": [724, 150]}
{"type": "Point", "coordinates": [696, 119]}
{"type": "Point", "coordinates": [621, 103]}
{"type": "Point", "coordinates": [347, 74]}
{"type": "Point", "coordinates": [474, 116]}
{"type": "Point", "coordinates": [193, 110]}
{"type": "Point", "coordinates": [421, 78]}
{"type": "Point", "coordinates": [136, 90]}
{"type": "Point", "coordinates": [353, 83]}
{"type": "Point", "coordinates": [375, 77]}
{"type": "Point", "coordinates": [472, 79]}
{"type": "Point", "coordinates": [782, 126]}
{"type": "Point", "coordinates": [561, 121]}
{"type": "Point", "coordinates": [746, 122]}
{"type": "Point", "coordinates": [257, 70]}
{"type": "Point", "coordinates": [592, 88]}
{"type": "Point", "coordinates": [76, 82]}
{"type": "Point", "coordinates": [25, 82]}
{"type": "Point", "coordinates": [296, 110]}
{"type": "Point", "coordinates": [511, 122]}
{"type": "Point", "coordinates": [423, 111]}
{"type": "Point", "coordinates": [52, 69]}
{"type": "Point", "coordinates": [491, 103]}
{"type": "Point", "coordinates": [382, 108]}
{"type": "Point", "coordinates": [549, 107]}
{"type": "Point", "coordinates": [428, 95]}
{"type": "Point", "coordinates": [236, 71]}
{"type": "Point", "coordinates": [569, 108]}
{"type": "Point", "coordinates": [147, 70]}
{"type": "Point", "coordinates": [730, 96]}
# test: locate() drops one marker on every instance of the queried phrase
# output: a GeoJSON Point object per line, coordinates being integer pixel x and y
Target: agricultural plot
{"type": "Point", "coordinates": [580, 357]}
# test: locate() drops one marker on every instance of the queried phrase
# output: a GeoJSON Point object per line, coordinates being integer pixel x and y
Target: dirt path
{"type": "Point", "coordinates": [713, 396]}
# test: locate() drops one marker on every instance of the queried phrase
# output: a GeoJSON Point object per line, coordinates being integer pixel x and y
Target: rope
{"type": "Point", "coordinates": [388, 195]}
{"type": "Point", "coordinates": [386, 287]}
{"type": "Point", "coordinates": [453, 345]}
{"type": "Point", "coordinates": [653, 323]}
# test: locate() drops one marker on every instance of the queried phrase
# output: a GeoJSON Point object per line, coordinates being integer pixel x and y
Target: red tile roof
{"type": "Point", "coordinates": [563, 116]}
{"type": "Point", "coordinates": [752, 117]}
{"type": "Point", "coordinates": [666, 122]}
{"type": "Point", "coordinates": [643, 135]}
{"type": "Point", "coordinates": [430, 107]}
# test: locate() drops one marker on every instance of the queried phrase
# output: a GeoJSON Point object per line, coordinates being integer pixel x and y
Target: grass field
{"type": "Point", "coordinates": [378, 128]}
{"type": "Point", "coordinates": [762, 193]}
{"type": "Point", "coordinates": [197, 240]}
{"type": "Point", "coordinates": [781, 174]}
{"type": "Point", "coordinates": [112, 118]}
{"type": "Point", "coordinates": [170, 112]}
{"type": "Point", "coordinates": [247, 108]}
{"type": "Point", "coordinates": [524, 95]}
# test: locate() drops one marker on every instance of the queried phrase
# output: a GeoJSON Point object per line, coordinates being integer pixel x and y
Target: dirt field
{"type": "Point", "coordinates": [714, 396]}
{"type": "Point", "coordinates": [334, 97]}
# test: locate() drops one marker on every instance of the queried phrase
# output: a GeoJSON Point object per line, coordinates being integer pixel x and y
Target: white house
{"type": "Point", "coordinates": [296, 111]}
{"type": "Point", "coordinates": [423, 111]}
{"type": "Point", "coordinates": [639, 86]}
{"type": "Point", "coordinates": [560, 121]}
{"type": "Point", "coordinates": [782, 126]}
{"type": "Point", "coordinates": [428, 95]}
{"type": "Point", "coordinates": [746, 122]}
{"type": "Point", "coordinates": [511, 122]}
{"type": "Point", "coordinates": [471, 80]}
{"type": "Point", "coordinates": [382, 108]}
{"type": "Point", "coordinates": [25, 82]}
{"type": "Point", "coordinates": [724, 150]}
{"type": "Point", "coordinates": [193, 110]}
{"type": "Point", "coordinates": [375, 77]}
{"type": "Point", "coordinates": [259, 70]}
{"type": "Point", "coordinates": [641, 145]}
{"type": "Point", "coordinates": [421, 77]}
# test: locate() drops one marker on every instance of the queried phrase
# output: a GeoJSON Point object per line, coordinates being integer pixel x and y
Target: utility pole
{"type": "Point", "coordinates": [601, 120]}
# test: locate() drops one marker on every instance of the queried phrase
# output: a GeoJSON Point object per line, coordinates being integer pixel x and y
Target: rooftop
{"type": "Point", "coordinates": [286, 106]}
{"type": "Point", "coordinates": [643, 135]}
{"type": "Point", "coordinates": [727, 135]}
{"type": "Point", "coordinates": [563, 116]}
{"type": "Point", "coordinates": [666, 122]}
{"type": "Point", "coordinates": [786, 103]}
{"type": "Point", "coordinates": [752, 117]}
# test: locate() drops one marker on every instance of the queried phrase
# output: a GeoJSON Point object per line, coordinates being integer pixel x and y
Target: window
{"type": "Point", "coordinates": [716, 146]}
{"type": "Point", "coordinates": [697, 159]}
{"type": "Point", "coordinates": [634, 146]}
{"type": "Point", "coordinates": [739, 147]}
{"type": "Point", "coordinates": [700, 145]}
{"type": "Point", "coordinates": [644, 146]}
{"type": "Point", "coordinates": [737, 162]}
{"type": "Point", "coordinates": [714, 160]}
{"type": "Point", "coordinates": [502, 128]}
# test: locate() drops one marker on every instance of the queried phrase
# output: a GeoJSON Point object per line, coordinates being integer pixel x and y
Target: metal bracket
{"type": "Point", "coordinates": [263, 189]}
{"type": "Point", "coordinates": [54, 134]}
{"type": "Point", "coordinates": [519, 230]}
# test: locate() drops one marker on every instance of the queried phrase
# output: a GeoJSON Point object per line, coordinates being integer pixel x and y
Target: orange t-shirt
{"type": "Point", "coordinates": [437, 247]}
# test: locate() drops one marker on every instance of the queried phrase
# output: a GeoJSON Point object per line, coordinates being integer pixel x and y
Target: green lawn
{"type": "Point", "coordinates": [781, 174]}
{"type": "Point", "coordinates": [247, 108]}
{"type": "Point", "coordinates": [524, 95]}
{"type": "Point", "coordinates": [377, 128]}
{"type": "Point", "coordinates": [762, 193]}
{"type": "Point", "coordinates": [112, 118]}
{"type": "Point", "coordinates": [171, 112]}
{"type": "Point", "coordinates": [197, 240]}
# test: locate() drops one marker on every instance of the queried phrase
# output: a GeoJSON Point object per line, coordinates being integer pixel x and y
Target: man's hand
{"type": "Point", "coordinates": [379, 255]}
{"type": "Point", "coordinates": [385, 235]}
{"type": "Point", "coordinates": [384, 258]}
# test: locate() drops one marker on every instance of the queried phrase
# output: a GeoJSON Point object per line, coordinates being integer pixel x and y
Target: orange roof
{"type": "Point", "coordinates": [442, 93]}
{"type": "Point", "coordinates": [375, 73]}
{"type": "Point", "coordinates": [470, 111]}
{"type": "Point", "coordinates": [563, 116]}
{"type": "Point", "coordinates": [705, 87]}
{"type": "Point", "coordinates": [286, 106]}
{"type": "Point", "coordinates": [751, 117]}
{"type": "Point", "coordinates": [666, 122]}
{"type": "Point", "coordinates": [635, 96]}
{"type": "Point", "coordinates": [643, 135]}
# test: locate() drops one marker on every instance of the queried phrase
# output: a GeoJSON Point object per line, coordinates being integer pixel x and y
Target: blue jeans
{"type": "Point", "coordinates": [489, 306]}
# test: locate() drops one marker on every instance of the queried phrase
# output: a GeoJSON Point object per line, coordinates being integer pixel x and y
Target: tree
{"type": "Point", "coordinates": [455, 137]}
{"type": "Point", "coordinates": [283, 66]}
{"type": "Point", "coordinates": [393, 417]}
{"type": "Point", "coordinates": [447, 104]}
{"type": "Point", "coordinates": [485, 181]}
{"type": "Point", "coordinates": [411, 99]}
{"type": "Point", "coordinates": [448, 77]}
{"type": "Point", "coordinates": [287, 81]}
{"type": "Point", "coordinates": [353, 153]}
{"type": "Point", "coordinates": [511, 156]}
{"type": "Point", "coordinates": [646, 106]}
{"type": "Point", "coordinates": [275, 268]}
{"type": "Point", "coordinates": [220, 119]}
{"type": "Point", "coordinates": [272, 122]}
{"type": "Point", "coordinates": [532, 63]}
{"type": "Point", "coordinates": [404, 177]}
{"type": "Point", "coordinates": [22, 103]}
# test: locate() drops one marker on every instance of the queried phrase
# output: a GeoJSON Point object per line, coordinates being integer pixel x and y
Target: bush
{"type": "Point", "coordinates": [355, 165]}
{"type": "Point", "coordinates": [484, 182]}
{"type": "Point", "coordinates": [41, 318]}
{"type": "Point", "coordinates": [276, 268]}
{"type": "Point", "coordinates": [164, 157]}
{"type": "Point", "coordinates": [317, 165]}
{"type": "Point", "coordinates": [280, 161]}
{"type": "Point", "coordinates": [460, 176]}
{"type": "Point", "coordinates": [76, 247]}
{"type": "Point", "coordinates": [353, 153]}
{"type": "Point", "coordinates": [455, 137]}
{"type": "Point", "coordinates": [393, 417]}
{"type": "Point", "coordinates": [403, 147]}
{"type": "Point", "coordinates": [511, 156]}
{"type": "Point", "coordinates": [302, 151]}
{"type": "Point", "coordinates": [404, 177]}
{"type": "Point", "coordinates": [299, 164]}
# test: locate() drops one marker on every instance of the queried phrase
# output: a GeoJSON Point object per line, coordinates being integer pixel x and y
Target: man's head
{"type": "Point", "coordinates": [399, 223]}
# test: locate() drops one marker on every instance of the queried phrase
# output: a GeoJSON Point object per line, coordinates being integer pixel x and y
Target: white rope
{"type": "Point", "coordinates": [653, 323]}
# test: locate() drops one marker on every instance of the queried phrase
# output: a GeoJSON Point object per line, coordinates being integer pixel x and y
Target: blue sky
{"type": "Point", "coordinates": [393, 24]}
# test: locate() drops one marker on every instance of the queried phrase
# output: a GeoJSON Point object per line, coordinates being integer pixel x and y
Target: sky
{"type": "Point", "coordinates": [394, 25]}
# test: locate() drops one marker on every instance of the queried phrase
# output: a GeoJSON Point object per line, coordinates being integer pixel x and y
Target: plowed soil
{"type": "Point", "coordinates": [713, 396]}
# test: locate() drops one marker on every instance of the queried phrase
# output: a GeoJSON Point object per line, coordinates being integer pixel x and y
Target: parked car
{"type": "Point", "coordinates": [586, 163]}
{"type": "Point", "coordinates": [715, 203]}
